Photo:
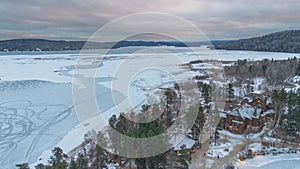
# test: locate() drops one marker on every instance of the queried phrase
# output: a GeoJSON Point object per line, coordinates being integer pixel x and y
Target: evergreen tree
{"type": "Point", "coordinates": [140, 163]}
{"type": "Point", "coordinates": [169, 96]}
{"type": "Point", "coordinates": [73, 164]}
{"type": "Point", "coordinates": [249, 88]}
{"type": "Point", "coordinates": [298, 71]}
{"type": "Point", "coordinates": [112, 121]}
{"type": "Point", "coordinates": [184, 157]}
{"type": "Point", "coordinates": [23, 166]}
{"type": "Point", "coordinates": [82, 161]}
{"type": "Point", "coordinates": [206, 93]}
{"type": "Point", "coordinates": [293, 111]}
{"type": "Point", "coordinates": [279, 101]}
{"type": "Point", "coordinates": [57, 160]}
{"type": "Point", "coordinates": [230, 91]}
{"type": "Point", "coordinates": [146, 130]}
{"type": "Point", "coordinates": [98, 157]}
{"type": "Point", "coordinates": [291, 123]}
{"type": "Point", "coordinates": [264, 68]}
{"type": "Point", "coordinates": [199, 123]}
{"type": "Point", "coordinates": [42, 166]}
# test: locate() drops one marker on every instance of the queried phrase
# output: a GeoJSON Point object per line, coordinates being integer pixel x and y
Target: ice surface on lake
{"type": "Point", "coordinates": [288, 161]}
{"type": "Point", "coordinates": [36, 105]}
{"type": "Point", "coordinates": [34, 115]}
{"type": "Point", "coordinates": [58, 67]}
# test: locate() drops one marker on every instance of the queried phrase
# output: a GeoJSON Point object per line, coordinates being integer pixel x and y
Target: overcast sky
{"type": "Point", "coordinates": [79, 19]}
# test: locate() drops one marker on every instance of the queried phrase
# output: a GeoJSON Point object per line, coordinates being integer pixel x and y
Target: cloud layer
{"type": "Point", "coordinates": [79, 19]}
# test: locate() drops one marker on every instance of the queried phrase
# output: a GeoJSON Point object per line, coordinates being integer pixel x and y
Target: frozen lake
{"type": "Point", "coordinates": [288, 161]}
{"type": "Point", "coordinates": [36, 104]}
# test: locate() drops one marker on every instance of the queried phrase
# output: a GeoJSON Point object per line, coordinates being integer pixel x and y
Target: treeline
{"type": "Point", "coordinates": [285, 41]}
{"type": "Point", "coordinates": [287, 114]}
{"type": "Point", "coordinates": [59, 45]}
{"type": "Point", "coordinates": [93, 158]}
{"type": "Point", "coordinates": [275, 71]}
{"type": "Point", "coordinates": [39, 44]}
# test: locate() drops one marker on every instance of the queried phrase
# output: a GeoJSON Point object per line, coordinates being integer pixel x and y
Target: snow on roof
{"type": "Point", "coordinates": [269, 100]}
{"type": "Point", "coordinates": [233, 112]}
{"type": "Point", "coordinates": [236, 121]}
{"type": "Point", "coordinates": [246, 111]}
{"type": "Point", "coordinates": [267, 112]}
{"type": "Point", "coordinates": [180, 140]}
{"type": "Point", "coordinates": [223, 115]}
{"type": "Point", "coordinates": [250, 99]}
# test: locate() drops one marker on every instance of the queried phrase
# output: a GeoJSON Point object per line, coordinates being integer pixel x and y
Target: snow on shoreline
{"type": "Point", "coordinates": [71, 140]}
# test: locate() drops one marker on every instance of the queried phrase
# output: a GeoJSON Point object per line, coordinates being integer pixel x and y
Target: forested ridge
{"type": "Point", "coordinates": [285, 41]}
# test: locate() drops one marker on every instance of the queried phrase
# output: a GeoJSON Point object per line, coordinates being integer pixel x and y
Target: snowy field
{"type": "Point", "coordinates": [36, 104]}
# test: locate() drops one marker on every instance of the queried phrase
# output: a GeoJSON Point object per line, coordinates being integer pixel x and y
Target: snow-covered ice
{"type": "Point", "coordinates": [36, 105]}
{"type": "Point", "coordinates": [288, 161]}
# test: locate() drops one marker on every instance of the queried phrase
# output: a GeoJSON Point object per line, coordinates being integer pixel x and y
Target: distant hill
{"type": "Point", "coordinates": [39, 44]}
{"type": "Point", "coordinates": [58, 45]}
{"type": "Point", "coordinates": [285, 41]}
{"type": "Point", "coordinates": [47, 45]}
{"type": "Point", "coordinates": [218, 42]}
{"type": "Point", "coordinates": [54, 45]}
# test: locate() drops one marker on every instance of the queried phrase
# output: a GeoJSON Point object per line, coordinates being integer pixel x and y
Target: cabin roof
{"type": "Point", "coordinates": [179, 140]}
{"type": "Point", "coordinates": [236, 121]}
{"type": "Point", "coordinates": [246, 111]}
